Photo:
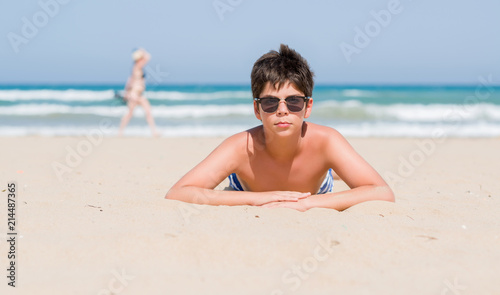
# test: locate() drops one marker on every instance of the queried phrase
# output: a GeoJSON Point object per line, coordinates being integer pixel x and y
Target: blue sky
{"type": "Point", "coordinates": [207, 41]}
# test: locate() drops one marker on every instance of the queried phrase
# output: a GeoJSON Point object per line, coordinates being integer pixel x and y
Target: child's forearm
{"type": "Point", "coordinates": [345, 199]}
{"type": "Point", "coordinates": [204, 196]}
{"type": "Point", "coordinates": [197, 195]}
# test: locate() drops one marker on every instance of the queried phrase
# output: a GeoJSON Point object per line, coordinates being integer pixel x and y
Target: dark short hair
{"type": "Point", "coordinates": [281, 67]}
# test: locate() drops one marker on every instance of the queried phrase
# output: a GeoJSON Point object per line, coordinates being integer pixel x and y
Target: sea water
{"type": "Point", "coordinates": [222, 110]}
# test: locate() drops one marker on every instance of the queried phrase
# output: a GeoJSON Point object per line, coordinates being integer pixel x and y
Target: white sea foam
{"type": "Point", "coordinates": [331, 110]}
{"type": "Point", "coordinates": [93, 95]}
{"type": "Point", "coordinates": [352, 117]}
{"type": "Point", "coordinates": [355, 110]}
{"type": "Point", "coordinates": [62, 95]}
{"type": "Point", "coordinates": [182, 111]}
{"type": "Point", "coordinates": [177, 95]}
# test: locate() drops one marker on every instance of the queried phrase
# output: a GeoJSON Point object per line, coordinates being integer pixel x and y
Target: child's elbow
{"type": "Point", "coordinates": [386, 193]}
{"type": "Point", "coordinates": [178, 193]}
{"type": "Point", "coordinates": [170, 195]}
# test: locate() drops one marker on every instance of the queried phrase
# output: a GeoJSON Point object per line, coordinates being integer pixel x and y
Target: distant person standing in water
{"type": "Point", "coordinates": [134, 91]}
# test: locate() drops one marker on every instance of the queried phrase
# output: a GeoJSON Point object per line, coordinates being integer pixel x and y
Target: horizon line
{"type": "Point", "coordinates": [335, 84]}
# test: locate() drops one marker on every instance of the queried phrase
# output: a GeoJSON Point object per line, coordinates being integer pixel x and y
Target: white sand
{"type": "Point", "coordinates": [104, 227]}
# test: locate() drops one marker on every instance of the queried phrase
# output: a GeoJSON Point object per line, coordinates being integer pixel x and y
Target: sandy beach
{"type": "Point", "coordinates": [91, 218]}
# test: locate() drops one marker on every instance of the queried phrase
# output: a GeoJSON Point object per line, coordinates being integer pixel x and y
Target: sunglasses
{"type": "Point", "coordinates": [294, 103]}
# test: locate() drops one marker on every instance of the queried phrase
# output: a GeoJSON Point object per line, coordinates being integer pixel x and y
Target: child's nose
{"type": "Point", "coordinates": [282, 108]}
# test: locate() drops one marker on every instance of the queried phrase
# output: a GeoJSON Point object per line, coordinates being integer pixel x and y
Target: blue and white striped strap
{"type": "Point", "coordinates": [327, 185]}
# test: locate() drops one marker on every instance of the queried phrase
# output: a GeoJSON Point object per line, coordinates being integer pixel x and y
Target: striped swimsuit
{"type": "Point", "coordinates": [326, 185]}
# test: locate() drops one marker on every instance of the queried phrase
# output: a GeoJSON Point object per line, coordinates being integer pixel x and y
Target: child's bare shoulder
{"type": "Point", "coordinates": [323, 134]}
{"type": "Point", "coordinates": [329, 142]}
{"type": "Point", "coordinates": [243, 141]}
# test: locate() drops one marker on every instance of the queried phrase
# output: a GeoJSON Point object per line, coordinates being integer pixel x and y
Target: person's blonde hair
{"type": "Point", "coordinates": [138, 54]}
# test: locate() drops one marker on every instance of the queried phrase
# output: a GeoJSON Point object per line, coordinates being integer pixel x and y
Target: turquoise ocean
{"type": "Point", "coordinates": [222, 110]}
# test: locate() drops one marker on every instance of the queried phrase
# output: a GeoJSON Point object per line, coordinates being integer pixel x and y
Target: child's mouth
{"type": "Point", "coordinates": [283, 124]}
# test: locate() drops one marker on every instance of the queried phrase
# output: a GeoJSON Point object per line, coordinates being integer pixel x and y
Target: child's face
{"type": "Point", "coordinates": [282, 119]}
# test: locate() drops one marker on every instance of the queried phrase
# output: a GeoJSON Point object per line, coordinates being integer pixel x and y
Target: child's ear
{"type": "Point", "coordinates": [308, 108]}
{"type": "Point", "coordinates": [256, 110]}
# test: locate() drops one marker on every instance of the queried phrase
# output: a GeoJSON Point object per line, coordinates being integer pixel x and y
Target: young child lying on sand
{"type": "Point", "coordinates": [285, 162]}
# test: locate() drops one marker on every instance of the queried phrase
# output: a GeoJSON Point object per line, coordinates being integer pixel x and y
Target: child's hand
{"type": "Point", "coordinates": [297, 205]}
{"type": "Point", "coordinates": [280, 196]}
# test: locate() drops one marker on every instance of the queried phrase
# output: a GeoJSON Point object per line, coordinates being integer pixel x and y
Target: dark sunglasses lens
{"type": "Point", "coordinates": [269, 105]}
{"type": "Point", "coordinates": [295, 104]}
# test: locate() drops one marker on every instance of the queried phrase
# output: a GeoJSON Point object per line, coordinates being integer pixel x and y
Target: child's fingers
{"type": "Point", "coordinates": [304, 195]}
{"type": "Point", "coordinates": [291, 196]}
{"type": "Point", "coordinates": [298, 195]}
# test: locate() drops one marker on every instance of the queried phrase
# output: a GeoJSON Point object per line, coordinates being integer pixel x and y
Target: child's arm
{"type": "Point", "coordinates": [340, 200]}
{"type": "Point", "coordinates": [197, 186]}
{"type": "Point", "coordinates": [365, 183]}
